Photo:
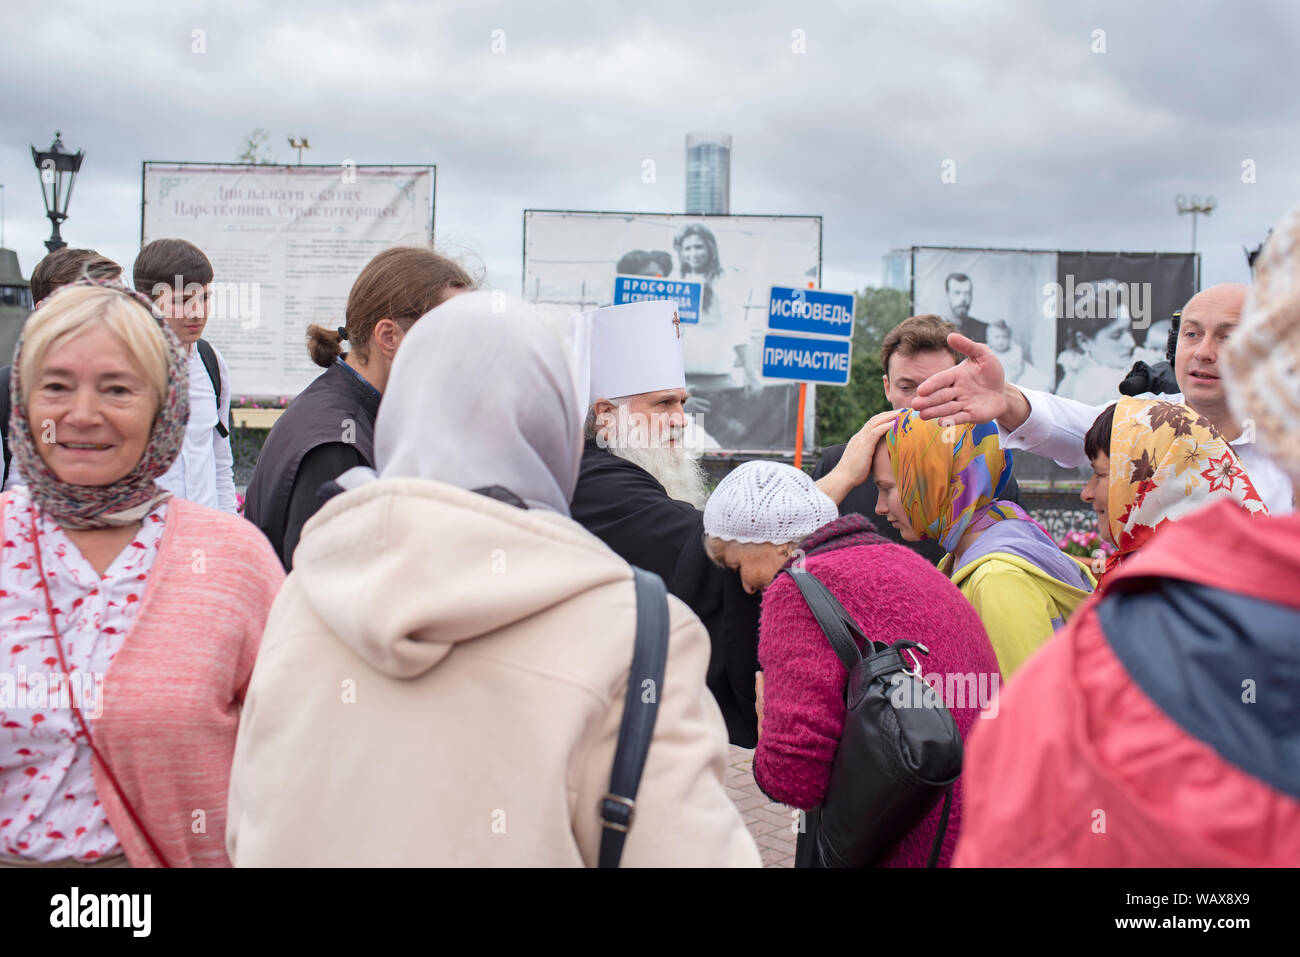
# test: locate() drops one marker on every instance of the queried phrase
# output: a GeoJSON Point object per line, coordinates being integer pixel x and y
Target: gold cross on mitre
{"type": "Point", "coordinates": [677, 324]}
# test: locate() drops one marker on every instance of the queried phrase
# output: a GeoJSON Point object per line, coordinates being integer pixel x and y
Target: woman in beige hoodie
{"type": "Point", "coordinates": [442, 676]}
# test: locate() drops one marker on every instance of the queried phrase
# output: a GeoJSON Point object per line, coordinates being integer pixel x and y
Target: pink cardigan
{"type": "Point", "coordinates": [892, 593]}
{"type": "Point", "coordinates": [173, 694]}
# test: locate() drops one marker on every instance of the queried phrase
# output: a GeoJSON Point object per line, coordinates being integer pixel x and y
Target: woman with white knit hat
{"type": "Point", "coordinates": [765, 518]}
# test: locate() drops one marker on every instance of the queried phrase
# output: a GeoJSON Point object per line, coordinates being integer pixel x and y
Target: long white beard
{"type": "Point", "coordinates": [678, 470]}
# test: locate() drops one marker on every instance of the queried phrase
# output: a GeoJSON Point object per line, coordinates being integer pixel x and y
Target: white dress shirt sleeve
{"type": "Point", "coordinates": [222, 454]}
{"type": "Point", "coordinates": [1055, 428]}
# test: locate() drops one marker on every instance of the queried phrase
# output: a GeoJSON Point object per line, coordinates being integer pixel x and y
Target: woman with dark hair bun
{"type": "Point", "coordinates": [329, 428]}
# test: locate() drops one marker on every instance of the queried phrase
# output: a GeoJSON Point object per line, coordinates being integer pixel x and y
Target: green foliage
{"type": "Point", "coordinates": [841, 410]}
{"type": "Point", "coordinates": [876, 311]}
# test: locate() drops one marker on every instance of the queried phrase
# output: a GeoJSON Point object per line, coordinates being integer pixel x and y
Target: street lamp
{"type": "Point", "coordinates": [58, 169]}
{"type": "Point", "coordinates": [299, 144]}
{"type": "Point", "coordinates": [1195, 207]}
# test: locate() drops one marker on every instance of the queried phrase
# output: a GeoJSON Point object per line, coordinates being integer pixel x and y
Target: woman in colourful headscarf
{"type": "Point", "coordinates": [1153, 462]}
{"type": "Point", "coordinates": [947, 480]}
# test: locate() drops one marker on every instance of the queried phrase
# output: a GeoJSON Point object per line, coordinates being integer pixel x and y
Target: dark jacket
{"type": "Point", "coordinates": [328, 429]}
{"type": "Point", "coordinates": [625, 506]}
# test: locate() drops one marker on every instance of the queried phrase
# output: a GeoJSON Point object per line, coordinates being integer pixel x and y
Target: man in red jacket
{"type": "Point", "coordinates": [1159, 727]}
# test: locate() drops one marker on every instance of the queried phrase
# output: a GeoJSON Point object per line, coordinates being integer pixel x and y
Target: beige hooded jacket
{"type": "Point", "coordinates": [441, 683]}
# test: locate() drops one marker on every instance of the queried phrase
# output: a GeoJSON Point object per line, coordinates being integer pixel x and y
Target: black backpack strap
{"type": "Point", "coordinates": [5, 375]}
{"type": "Point", "coordinates": [835, 621]}
{"type": "Point", "coordinates": [617, 808]}
{"type": "Point", "coordinates": [209, 357]}
{"type": "Point", "coordinates": [937, 846]}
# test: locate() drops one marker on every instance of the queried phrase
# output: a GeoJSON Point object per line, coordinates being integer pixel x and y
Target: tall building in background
{"type": "Point", "coordinates": [708, 173]}
{"type": "Point", "coordinates": [896, 271]}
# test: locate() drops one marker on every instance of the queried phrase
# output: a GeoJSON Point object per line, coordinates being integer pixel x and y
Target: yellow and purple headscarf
{"type": "Point", "coordinates": [950, 477]}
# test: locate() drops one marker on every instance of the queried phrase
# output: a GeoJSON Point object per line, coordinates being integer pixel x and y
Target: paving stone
{"type": "Point", "coordinates": [769, 823]}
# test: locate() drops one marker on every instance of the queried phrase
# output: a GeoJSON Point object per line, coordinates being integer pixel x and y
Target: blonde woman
{"type": "Point", "coordinates": [130, 618]}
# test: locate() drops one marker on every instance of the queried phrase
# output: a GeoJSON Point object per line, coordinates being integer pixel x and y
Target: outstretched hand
{"type": "Point", "coordinates": [972, 391]}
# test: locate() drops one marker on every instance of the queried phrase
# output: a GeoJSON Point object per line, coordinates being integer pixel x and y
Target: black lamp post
{"type": "Point", "coordinates": [58, 169]}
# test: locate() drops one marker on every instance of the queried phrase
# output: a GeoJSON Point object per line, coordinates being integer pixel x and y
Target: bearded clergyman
{"type": "Point", "coordinates": [641, 489]}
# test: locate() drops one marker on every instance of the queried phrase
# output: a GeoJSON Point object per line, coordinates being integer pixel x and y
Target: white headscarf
{"type": "Point", "coordinates": [482, 393]}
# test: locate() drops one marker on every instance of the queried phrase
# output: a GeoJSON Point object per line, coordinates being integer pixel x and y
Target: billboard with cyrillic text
{"type": "Point", "coordinates": [286, 244]}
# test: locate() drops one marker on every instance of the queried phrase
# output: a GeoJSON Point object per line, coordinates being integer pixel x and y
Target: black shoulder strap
{"type": "Point", "coordinates": [835, 621]}
{"type": "Point", "coordinates": [209, 357]}
{"type": "Point", "coordinates": [645, 683]}
{"type": "Point", "coordinates": [4, 421]}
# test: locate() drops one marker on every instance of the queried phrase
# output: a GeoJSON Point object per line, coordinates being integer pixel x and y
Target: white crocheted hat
{"type": "Point", "coordinates": [767, 502]}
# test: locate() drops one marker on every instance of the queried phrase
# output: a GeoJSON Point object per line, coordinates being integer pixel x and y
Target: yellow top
{"type": "Point", "coordinates": [1020, 605]}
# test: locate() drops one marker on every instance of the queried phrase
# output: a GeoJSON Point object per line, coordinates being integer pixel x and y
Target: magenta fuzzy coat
{"type": "Point", "coordinates": [892, 593]}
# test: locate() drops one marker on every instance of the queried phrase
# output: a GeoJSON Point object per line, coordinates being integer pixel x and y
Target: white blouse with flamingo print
{"type": "Point", "coordinates": [48, 807]}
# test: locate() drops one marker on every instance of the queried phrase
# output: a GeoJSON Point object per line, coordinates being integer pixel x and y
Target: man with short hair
{"type": "Point", "coordinates": [960, 291]}
{"type": "Point", "coordinates": [65, 266]}
{"type": "Point", "coordinates": [641, 489]}
{"type": "Point", "coordinates": [177, 276]}
{"type": "Point", "coordinates": [1049, 425]}
{"type": "Point", "coordinates": [911, 352]}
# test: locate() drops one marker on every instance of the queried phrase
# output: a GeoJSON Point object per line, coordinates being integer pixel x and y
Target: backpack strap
{"type": "Point", "coordinates": [209, 357]}
{"type": "Point", "coordinates": [617, 808]}
{"type": "Point", "coordinates": [837, 624]}
{"type": "Point", "coordinates": [5, 374]}
{"type": "Point", "coordinates": [937, 846]}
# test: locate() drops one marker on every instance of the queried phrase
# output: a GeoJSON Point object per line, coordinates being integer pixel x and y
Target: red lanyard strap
{"type": "Point", "coordinates": [76, 710]}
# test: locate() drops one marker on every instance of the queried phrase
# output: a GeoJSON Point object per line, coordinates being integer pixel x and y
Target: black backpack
{"type": "Point", "coordinates": [899, 752]}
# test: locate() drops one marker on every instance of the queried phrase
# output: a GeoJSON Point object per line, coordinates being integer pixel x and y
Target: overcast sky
{"type": "Point", "coordinates": [1056, 146]}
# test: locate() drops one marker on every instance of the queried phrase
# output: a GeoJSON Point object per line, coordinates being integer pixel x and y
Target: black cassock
{"type": "Point", "coordinates": [626, 507]}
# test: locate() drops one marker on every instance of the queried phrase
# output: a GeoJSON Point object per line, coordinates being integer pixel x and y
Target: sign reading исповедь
{"type": "Point", "coordinates": [810, 311]}
{"type": "Point", "coordinates": [820, 351]}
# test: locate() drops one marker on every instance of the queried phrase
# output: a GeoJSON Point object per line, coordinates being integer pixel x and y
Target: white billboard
{"type": "Point", "coordinates": [571, 259]}
{"type": "Point", "coordinates": [286, 244]}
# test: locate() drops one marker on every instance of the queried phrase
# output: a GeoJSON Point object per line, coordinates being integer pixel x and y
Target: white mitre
{"type": "Point", "coordinates": [634, 348]}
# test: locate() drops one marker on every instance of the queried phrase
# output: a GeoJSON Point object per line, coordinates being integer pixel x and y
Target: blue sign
{"type": "Point", "coordinates": [810, 310]}
{"type": "Point", "coordinates": [806, 360]}
{"type": "Point", "coordinates": [684, 292]}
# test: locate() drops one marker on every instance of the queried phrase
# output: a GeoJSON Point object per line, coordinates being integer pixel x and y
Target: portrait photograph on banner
{"type": "Point", "coordinates": [1114, 309]}
{"type": "Point", "coordinates": [721, 268]}
{"type": "Point", "coordinates": [993, 296]}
